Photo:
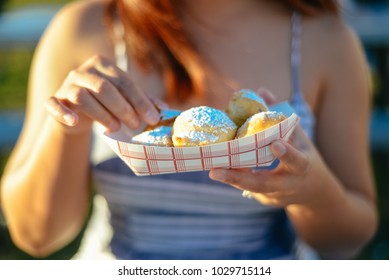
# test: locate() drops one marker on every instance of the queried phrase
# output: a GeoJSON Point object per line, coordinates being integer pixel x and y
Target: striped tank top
{"type": "Point", "coordinates": [188, 215]}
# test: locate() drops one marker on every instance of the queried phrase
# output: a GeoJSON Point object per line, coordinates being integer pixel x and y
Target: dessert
{"type": "Point", "coordinates": [159, 136]}
{"type": "Point", "coordinates": [244, 104]}
{"type": "Point", "coordinates": [167, 117]}
{"type": "Point", "coordinates": [201, 126]}
{"type": "Point", "coordinates": [259, 122]}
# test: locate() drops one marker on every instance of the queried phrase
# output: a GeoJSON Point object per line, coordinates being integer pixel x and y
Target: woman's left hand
{"type": "Point", "coordinates": [284, 185]}
{"type": "Point", "coordinates": [290, 182]}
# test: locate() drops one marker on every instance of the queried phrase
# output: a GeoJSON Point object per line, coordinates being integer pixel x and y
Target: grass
{"type": "Point", "coordinates": [12, 4]}
{"type": "Point", "coordinates": [15, 63]}
{"type": "Point", "coordinates": [14, 68]}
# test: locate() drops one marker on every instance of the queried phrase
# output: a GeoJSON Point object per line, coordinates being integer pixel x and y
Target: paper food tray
{"type": "Point", "coordinates": [250, 151]}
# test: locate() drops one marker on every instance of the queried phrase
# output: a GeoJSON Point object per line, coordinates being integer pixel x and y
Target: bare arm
{"type": "Point", "coordinates": [45, 188]}
{"type": "Point", "coordinates": [342, 139]}
{"type": "Point", "coordinates": [327, 190]}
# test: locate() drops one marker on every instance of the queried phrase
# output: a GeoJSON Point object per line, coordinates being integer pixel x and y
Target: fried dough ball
{"type": "Point", "coordinates": [201, 126]}
{"type": "Point", "coordinates": [159, 136]}
{"type": "Point", "coordinates": [167, 117]}
{"type": "Point", "coordinates": [259, 122]}
{"type": "Point", "coordinates": [244, 104]}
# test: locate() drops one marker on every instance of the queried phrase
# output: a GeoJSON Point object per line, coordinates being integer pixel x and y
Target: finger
{"type": "Point", "coordinates": [246, 179]}
{"type": "Point", "coordinates": [60, 112]}
{"type": "Point", "coordinates": [295, 161]}
{"type": "Point", "coordinates": [300, 140]}
{"type": "Point", "coordinates": [139, 101]}
{"type": "Point", "coordinates": [142, 104]}
{"type": "Point", "coordinates": [82, 100]}
{"type": "Point", "coordinates": [159, 104]}
{"type": "Point", "coordinates": [266, 94]}
{"type": "Point", "coordinates": [109, 96]}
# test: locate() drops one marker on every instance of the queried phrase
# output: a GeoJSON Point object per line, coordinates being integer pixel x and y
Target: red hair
{"type": "Point", "coordinates": [156, 40]}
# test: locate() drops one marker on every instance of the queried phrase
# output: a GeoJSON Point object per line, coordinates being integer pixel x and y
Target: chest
{"type": "Point", "coordinates": [247, 60]}
{"type": "Point", "coordinates": [237, 69]}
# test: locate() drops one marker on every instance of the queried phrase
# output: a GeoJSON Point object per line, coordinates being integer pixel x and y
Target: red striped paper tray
{"type": "Point", "coordinates": [250, 151]}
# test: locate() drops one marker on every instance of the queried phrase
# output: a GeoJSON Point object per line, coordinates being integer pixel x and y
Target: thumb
{"type": "Point", "coordinates": [267, 95]}
{"type": "Point", "coordinates": [295, 161]}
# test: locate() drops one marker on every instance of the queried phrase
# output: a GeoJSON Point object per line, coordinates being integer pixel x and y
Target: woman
{"type": "Point", "coordinates": [189, 53]}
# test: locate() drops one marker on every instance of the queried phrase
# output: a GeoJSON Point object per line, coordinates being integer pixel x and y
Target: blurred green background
{"type": "Point", "coordinates": [11, 4]}
{"type": "Point", "coordinates": [14, 67]}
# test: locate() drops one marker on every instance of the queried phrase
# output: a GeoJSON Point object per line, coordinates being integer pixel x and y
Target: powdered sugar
{"type": "Point", "coordinates": [159, 136]}
{"type": "Point", "coordinates": [169, 114]}
{"type": "Point", "coordinates": [204, 116]}
{"type": "Point", "coordinates": [249, 94]}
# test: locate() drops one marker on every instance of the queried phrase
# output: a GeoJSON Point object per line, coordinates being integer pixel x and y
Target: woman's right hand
{"type": "Point", "coordinates": [100, 91]}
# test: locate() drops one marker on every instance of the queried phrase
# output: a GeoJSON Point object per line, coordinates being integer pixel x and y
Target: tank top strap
{"type": "Point", "coordinates": [296, 54]}
{"type": "Point", "coordinates": [307, 118]}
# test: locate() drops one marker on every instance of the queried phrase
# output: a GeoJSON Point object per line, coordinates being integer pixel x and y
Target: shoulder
{"type": "Point", "coordinates": [80, 24]}
{"type": "Point", "coordinates": [332, 39]}
{"type": "Point", "coordinates": [334, 52]}
{"type": "Point", "coordinates": [328, 26]}
{"type": "Point", "coordinates": [82, 13]}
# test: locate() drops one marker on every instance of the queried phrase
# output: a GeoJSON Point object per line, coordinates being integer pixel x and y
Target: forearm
{"type": "Point", "coordinates": [45, 195]}
{"type": "Point", "coordinates": [335, 221]}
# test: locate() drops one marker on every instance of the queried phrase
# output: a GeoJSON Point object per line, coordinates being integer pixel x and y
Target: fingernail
{"type": "Point", "coordinates": [218, 174]}
{"type": "Point", "coordinates": [152, 117]}
{"type": "Point", "coordinates": [278, 148]}
{"type": "Point", "coordinates": [70, 119]}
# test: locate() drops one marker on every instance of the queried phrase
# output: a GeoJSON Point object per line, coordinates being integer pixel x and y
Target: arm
{"type": "Point", "coordinates": [342, 140]}
{"type": "Point", "coordinates": [327, 190]}
{"type": "Point", "coordinates": [45, 188]}
{"type": "Point", "coordinates": [44, 191]}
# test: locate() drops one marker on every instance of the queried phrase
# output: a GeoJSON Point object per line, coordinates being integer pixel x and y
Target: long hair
{"type": "Point", "coordinates": [156, 40]}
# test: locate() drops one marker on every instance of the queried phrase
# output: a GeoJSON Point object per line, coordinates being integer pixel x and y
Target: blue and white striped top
{"type": "Point", "coordinates": [189, 216]}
